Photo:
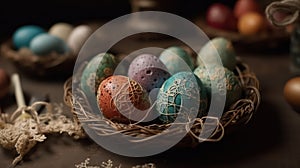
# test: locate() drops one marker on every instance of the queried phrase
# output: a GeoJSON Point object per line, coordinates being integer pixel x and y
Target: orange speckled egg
{"type": "Point", "coordinates": [121, 99]}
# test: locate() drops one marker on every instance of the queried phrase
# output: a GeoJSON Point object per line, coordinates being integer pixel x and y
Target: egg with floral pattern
{"type": "Point", "coordinates": [97, 69]}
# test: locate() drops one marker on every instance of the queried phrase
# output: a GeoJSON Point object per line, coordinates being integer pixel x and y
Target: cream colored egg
{"type": "Point", "coordinates": [61, 30]}
{"type": "Point", "coordinates": [78, 37]}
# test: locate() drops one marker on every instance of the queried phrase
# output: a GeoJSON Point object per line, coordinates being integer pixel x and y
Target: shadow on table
{"type": "Point", "coordinates": [260, 135]}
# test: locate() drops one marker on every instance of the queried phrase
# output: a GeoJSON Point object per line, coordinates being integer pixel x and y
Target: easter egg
{"type": "Point", "coordinates": [231, 87]}
{"type": "Point", "coordinates": [251, 23]}
{"type": "Point", "coordinates": [220, 16]}
{"type": "Point", "coordinates": [44, 44]}
{"type": "Point", "coordinates": [61, 30]}
{"type": "Point", "coordinates": [4, 83]}
{"type": "Point", "coordinates": [121, 98]}
{"type": "Point", "coordinates": [242, 7]}
{"type": "Point", "coordinates": [23, 35]}
{"type": "Point", "coordinates": [97, 69]}
{"type": "Point", "coordinates": [182, 95]}
{"type": "Point", "coordinates": [78, 36]}
{"type": "Point", "coordinates": [175, 58]}
{"type": "Point", "coordinates": [218, 48]}
{"type": "Point", "coordinates": [291, 93]}
{"type": "Point", "coordinates": [148, 70]}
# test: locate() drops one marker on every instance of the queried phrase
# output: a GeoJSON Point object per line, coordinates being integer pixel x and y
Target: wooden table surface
{"type": "Point", "coordinates": [271, 139]}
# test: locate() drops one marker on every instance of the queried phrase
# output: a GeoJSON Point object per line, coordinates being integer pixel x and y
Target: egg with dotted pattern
{"type": "Point", "coordinates": [148, 70]}
{"type": "Point", "coordinates": [121, 98]}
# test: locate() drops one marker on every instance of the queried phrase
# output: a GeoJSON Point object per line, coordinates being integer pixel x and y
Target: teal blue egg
{"type": "Point", "coordinates": [218, 48]}
{"type": "Point", "coordinates": [231, 87]}
{"type": "Point", "coordinates": [97, 69]}
{"type": "Point", "coordinates": [182, 95]}
{"type": "Point", "coordinates": [23, 35]}
{"type": "Point", "coordinates": [44, 44]}
{"type": "Point", "coordinates": [176, 59]}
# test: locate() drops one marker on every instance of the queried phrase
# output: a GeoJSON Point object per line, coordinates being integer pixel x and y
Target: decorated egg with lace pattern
{"type": "Point", "coordinates": [225, 81]}
{"type": "Point", "coordinates": [181, 97]}
{"type": "Point", "coordinates": [122, 99]}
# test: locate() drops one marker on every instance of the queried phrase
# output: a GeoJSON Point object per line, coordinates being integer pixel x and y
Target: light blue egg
{"type": "Point", "coordinates": [44, 44]}
{"type": "Point", "coordinates": [182, 95]}
{"type": "Point", "coordinates": [23, 35]}
{"type": "Point", "coordinates": [176, 60]}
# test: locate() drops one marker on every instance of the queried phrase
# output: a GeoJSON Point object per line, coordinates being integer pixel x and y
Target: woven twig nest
{"type": "Point", "coordinates": [53, 64]}
{"type": "Point", "coordinates": [238, 114]}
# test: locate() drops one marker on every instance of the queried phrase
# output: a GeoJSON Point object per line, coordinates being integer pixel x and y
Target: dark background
{"type": "Point", "coordinates": [45, 13]}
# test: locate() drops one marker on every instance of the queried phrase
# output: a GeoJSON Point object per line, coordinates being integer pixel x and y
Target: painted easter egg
{"type": "Point", "coordinates": [122, 99]}
{"type": "Point", "coordinates": [149, 71]}
{"type": "Point", "coordinates": [97, 69]}
{"type": "Point", "coordinates": [224, 80]}
{"type": "Point", "coordinates": [175, 58]}
{"type": "Point", "coordinates": [218, 48]}
{"type": "Point", "coordinates": [182, 95]}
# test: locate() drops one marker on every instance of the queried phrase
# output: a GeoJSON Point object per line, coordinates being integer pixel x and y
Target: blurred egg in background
{"type": "Point", "coordinates": [78, 36]}
{"type": "Point", "coordinates": [61, 30]}
{"type": "Point", "coordinates": [24, 34]}
{"type": "Point", "coordinates": [45, 44]}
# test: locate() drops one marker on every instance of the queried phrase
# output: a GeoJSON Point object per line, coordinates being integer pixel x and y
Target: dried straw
{"type": "Point", "coordinates": [238, 114]}
{"type": "Point", "coordinates": [35, 65]}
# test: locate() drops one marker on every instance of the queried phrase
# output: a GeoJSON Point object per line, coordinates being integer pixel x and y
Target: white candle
{"type": "Point", "coordinates": [18, 90]}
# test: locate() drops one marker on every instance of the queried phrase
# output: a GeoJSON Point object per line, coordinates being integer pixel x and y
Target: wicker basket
{"type": "Point", "coordinates": [237, 115]}
{"type": "Point", "coordinates": [52, 65]}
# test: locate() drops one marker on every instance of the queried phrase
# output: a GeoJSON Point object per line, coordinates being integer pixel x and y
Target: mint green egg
{"type": "Point", "coordinates": [232, 87]}
{"type": "Point", "coordinates": [97, 69]}
{"type": "Point", "coordinates": [176, 59]}
{"type": "Point", "coordinates": [218, 48]}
